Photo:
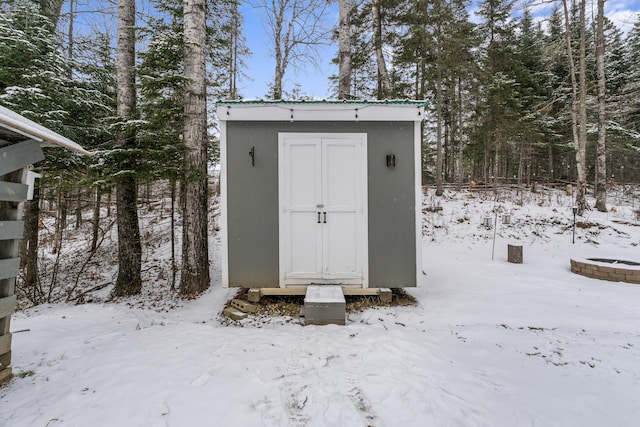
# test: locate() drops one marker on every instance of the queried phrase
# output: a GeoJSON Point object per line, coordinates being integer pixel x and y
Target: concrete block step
{"type": "Point", "coordinates": [245, 306]}
{"type": "Point", "coordinates": [234, 314]}
{"type": "Point", "coordinates": [324, 305]}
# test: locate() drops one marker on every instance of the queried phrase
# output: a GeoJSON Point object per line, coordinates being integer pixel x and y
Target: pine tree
{"type": "Point", "coordinates": [499, 110]}
{"type": "Point", "coordinates": [632, 86]}
{"type": "Point", "coordinates": [36, 81]}
{"type": "Point", "coordinates": [533, 88]}
{"type": "Point", "coordinates": [161, 106]}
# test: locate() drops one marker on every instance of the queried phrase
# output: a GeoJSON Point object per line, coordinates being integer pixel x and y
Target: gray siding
{"type": "Point", "coordinates": [252, 200]}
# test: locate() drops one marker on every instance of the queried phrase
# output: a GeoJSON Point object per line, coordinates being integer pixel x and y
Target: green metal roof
{"type": "Point", "coordinates": [423, 103]}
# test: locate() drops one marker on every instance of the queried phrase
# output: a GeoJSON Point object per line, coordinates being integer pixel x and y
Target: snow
{"type": "Point", "coordinates": [488, 344]}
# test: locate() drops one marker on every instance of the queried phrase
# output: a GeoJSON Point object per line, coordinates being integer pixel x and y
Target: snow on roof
{"type": "Point", "coordinates": [19, 124]}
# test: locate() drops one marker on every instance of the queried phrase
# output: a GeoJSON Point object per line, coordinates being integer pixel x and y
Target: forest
{"type": "Point", "coordinates": [515, 97]}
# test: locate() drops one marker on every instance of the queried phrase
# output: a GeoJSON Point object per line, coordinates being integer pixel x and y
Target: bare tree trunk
{"type": "Point", "coordinates": [459, 132]}
{"type": "Point", "coordinates": [78, 210]}
{"type": "Point", "coordinates": [496, 169]}
{"type": "Point", "coordinates": [195, 253]}
{"type": "Point", "coordinates": [520, 165]}
{"type": "Point", "coordinates": [450, 133]}
{"type": "Point", "coordinates": [96, 220]}
{"type": "Point", "coordinates": [280, 48]}
{"type": "Point", "coordinates": [384, 83]}
{"type": "Point", "coordinates": [581, 199]}
{"type": "Point", "coordinates": [601, 191]}
{"type": "Point", "coordinates": [233, 51]}
{"type": "Point", "coordinates": [577, 140]}
{"type": "Point", "coordinates": [485, 160]}
{"type": "Point", "coordinates": [173, 234]}
{"type": "Point", "coordinates": [296, 30]}
{"type": "Point", "coordinates": [550, 174]}
{"type": "Point", "coordinates": [438, 82]}
{"type": "Point", "coordinates": [61, 221]}
{"type": "Point", "coordinates": [31, 225]}
{"type": "Point", "coordinates": [51, 9]}
{"type": "Point", "coordinates": [129, 281]}
{"type": "Point", "coordinates": [70, 32]}
{"type": "Point", "coordinates": [344, 55]}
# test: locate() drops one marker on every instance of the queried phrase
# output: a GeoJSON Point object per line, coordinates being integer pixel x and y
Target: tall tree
{"type": "Point", "coordinates": [362, 67]}
{"type": "Point", "coordinates": [36, 81]}
{"type": "Point", "coordinates": [433, 58]}
{"type": "Point", "coordinates": [344, 50]}
{"type": "Point", "coordinates": [236, 49]}
{"type": "Point", "coordinates": [533, 87]}
{"type": "Point", "coordinates": [581, 199]}
{"type": "Point", "coordinates": [601, 161]}
{"type": "Point", "coordinates": [296, 30]}
{"type": "Point", "coordinates": [579, 142]}
{"type": "Point", "coordinates": [51, 9]}
{"type": "Point", "coordinates": [129, 279]}
{"type": "Point", "coordinates": [632, 86]}
{"type": "Point", "coordinates": [500, 107]}
{"type": "Point", "coordinates": [440, 17]}
{"type": "Point", "coordinates": [195, 252]}
{"type": "Point", "coordinates": [384, 82]}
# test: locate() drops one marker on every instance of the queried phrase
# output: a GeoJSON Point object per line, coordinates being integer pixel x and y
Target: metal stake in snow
{"type": "Point", "coordinates": [575, 211]}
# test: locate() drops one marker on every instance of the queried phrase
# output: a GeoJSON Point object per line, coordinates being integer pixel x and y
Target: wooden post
{"type": "Point", "coordinates": [14, 162]}
{"type": "Point", "coordinates": [514, 254]}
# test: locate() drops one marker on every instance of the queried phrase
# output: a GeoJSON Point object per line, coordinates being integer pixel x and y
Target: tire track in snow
{"type": "Point", "coordinates": [293, 391]}
{"type": "Point", "coordinates": [356, 395]}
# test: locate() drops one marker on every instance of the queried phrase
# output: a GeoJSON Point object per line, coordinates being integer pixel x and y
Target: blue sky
{"type": "Point", "coordinates": [314, 82]}
{"type": "Point", "coordinates": [261, 65]}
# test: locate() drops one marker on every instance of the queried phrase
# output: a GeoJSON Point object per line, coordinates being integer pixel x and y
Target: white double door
{"type": "Point", "coordinates": [323, 208]}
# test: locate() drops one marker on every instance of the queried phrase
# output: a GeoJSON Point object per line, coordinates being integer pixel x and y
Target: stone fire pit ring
{"type": "Point", "coordinates": [606, 268]}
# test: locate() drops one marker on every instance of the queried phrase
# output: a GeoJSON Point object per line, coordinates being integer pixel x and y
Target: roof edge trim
{"type": "Point", "coordinates": [348, 111]}
{"type": "Point", "coordinates": [33, 130]}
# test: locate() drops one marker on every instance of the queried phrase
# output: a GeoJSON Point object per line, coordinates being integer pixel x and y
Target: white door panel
{"type": "Point", "coordinates": [306, 245]}
{"type": "Point", "coordinates": [323, 196]}
{"type": "Point", "coordinates": [304, 179]}
{"type": "Point", "coordinates": [341, 183]}
{"type": "Point", "coordinates": [341, 237]}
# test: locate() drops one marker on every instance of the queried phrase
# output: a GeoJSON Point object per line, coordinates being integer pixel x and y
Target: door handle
{"type": "Point", "coordinates": [325, 217]}
{"type": "Point", "coordinates": [318, 217]}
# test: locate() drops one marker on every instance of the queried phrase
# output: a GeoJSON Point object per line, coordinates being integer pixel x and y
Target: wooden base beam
{"type": "Point", "coordinates": [302, 290]}
{"type": "Point", "coordinates": [5, 360]}
{"type": "Point", "coordinates": [5, 375]}
{"type": "Point", "coordinates": [5, 343]}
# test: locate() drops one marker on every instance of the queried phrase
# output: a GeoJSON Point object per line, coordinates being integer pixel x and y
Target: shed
{"type": "Point", "coordinates": [320, 192]}
{"type": "Point", "coordinates": [21, 142]}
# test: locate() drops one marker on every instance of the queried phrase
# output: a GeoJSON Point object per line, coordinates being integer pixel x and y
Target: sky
{"type": "Point", "coordinates": [314, 81]}
{"type": "Point", "coordinates": [261, 65]}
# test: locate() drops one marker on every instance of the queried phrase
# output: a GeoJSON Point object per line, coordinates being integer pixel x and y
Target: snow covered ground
{"type": "Point", "coordinates": [489, 344]}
